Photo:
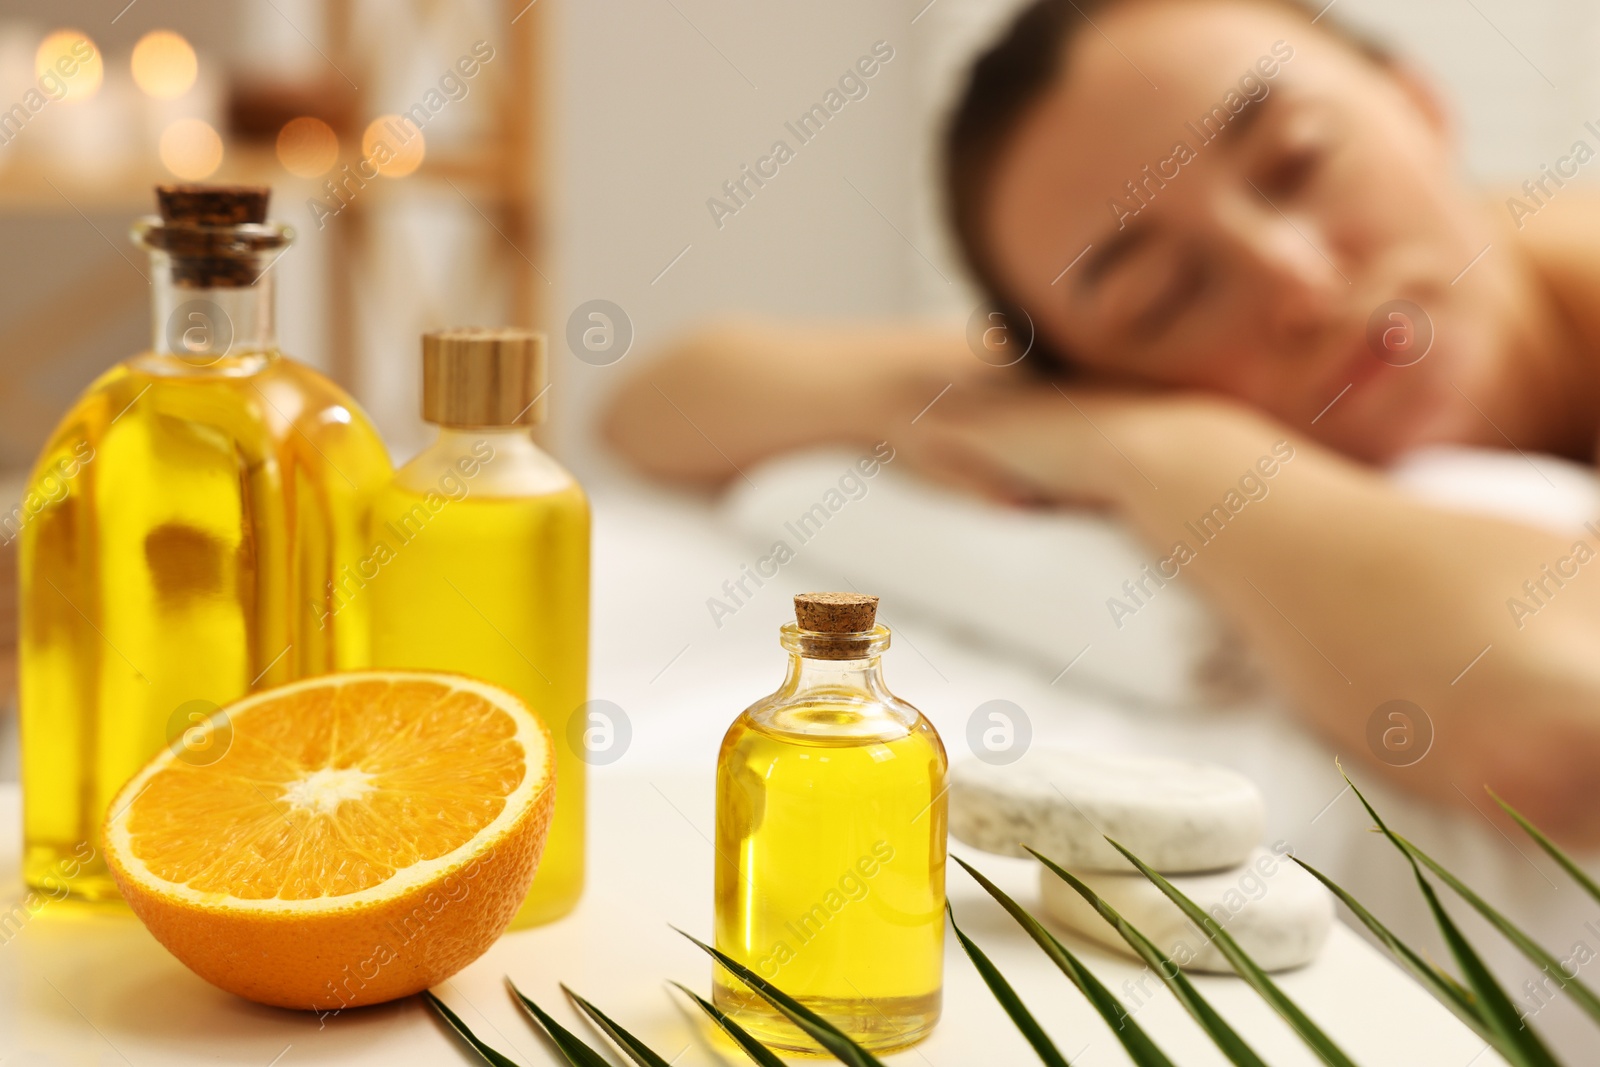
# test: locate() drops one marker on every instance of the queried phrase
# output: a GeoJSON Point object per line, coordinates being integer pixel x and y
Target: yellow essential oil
{"type": "Point", "coordinates": [187, 520]}
{"type": "Point", "coordinates": [479, 563]}
{"type": "Point", "coordinates": [831, 841]}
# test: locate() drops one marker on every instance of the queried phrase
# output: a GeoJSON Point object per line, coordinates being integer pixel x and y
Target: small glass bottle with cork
{"type": "Point", "coordinates": [831, 840]}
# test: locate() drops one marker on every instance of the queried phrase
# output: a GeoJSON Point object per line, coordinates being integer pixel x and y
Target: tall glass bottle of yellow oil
{"type": "Point", "coordinates": [484, 569]}
{"type": "Point", "coordinates": [199, 500]}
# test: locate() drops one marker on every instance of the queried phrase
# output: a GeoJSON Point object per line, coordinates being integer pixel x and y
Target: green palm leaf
{"type": "Point", "coordinates": [1226, 1038]}
{"type": "Point", "coordinates": [1478, 1000]}
{"type": "Point", "coordinates": [1008, 998]}
{"type": "Point", "coordinates": [1143, 1051]}
{"type": "Point", "coordinates": [636, 1050]}
{"type": "Point", "coordinates": [485, 1053]}
{"type": "Point", "coordinates": [815, 1026]}
{"type": "Point", "coordinates": [1254, 976]}
{"type": "Point", "coordinates": [753, 1048]}
{"type": "Point", "coordinates": [1573, 870]}
{"type": "Point", "coordinates": [1440, 982]}
{"type": "Point", "coordinates": [1579, 992]}
{"type": "Point", "coordinates": [1510, 1036]}
{"type": "Point", "coordinates": [567, 1043]}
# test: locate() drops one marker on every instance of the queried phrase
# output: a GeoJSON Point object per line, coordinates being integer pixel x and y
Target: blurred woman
{"type": "Point", "coordinates": [1233, 226]}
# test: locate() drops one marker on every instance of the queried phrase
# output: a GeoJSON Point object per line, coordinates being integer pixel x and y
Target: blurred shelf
{"type": "Point", "coordinates": [499, 173]}
{"type": "Point", "coordinates": [26, 188]}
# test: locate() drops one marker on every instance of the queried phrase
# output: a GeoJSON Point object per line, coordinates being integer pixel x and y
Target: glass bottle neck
{"type": "Point", "coordinates": [824, 680]}
{"type": "Point", "coordinates": [515, 440]}
{"type": "Point", "coordinates": [203, 326]}
{"type": "Point", "coordinates": [499, 461]}
{"type": "Point", "coordinates": [211, 291]}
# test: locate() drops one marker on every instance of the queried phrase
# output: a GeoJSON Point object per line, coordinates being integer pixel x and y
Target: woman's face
{"type": "Point", "coordinates": [1223, 197]}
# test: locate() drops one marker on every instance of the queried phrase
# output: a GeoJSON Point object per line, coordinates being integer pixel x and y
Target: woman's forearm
{"type": "Point", "coordinates": [1357, 594]}
{"type": "Point", "coordinates": [730, 396]}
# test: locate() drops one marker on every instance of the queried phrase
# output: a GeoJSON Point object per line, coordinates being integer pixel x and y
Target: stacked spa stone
{"type": "Point", "coordinates": [1197, 824]}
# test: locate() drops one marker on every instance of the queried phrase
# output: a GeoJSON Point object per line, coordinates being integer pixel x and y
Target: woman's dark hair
{"type": "Point", "coordinates": [1004, 81]}
{"type": "Point", "coordinates": [1009, 77]}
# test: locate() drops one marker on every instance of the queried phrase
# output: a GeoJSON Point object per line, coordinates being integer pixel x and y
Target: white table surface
{"type": "Point", "coordinates": [91, 987]}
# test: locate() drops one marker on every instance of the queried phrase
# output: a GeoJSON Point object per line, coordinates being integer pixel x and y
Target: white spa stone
{"type": "Point", "coordinates": [1278, 913]}
{"type": "Point", "coordinates": [1177, 816]}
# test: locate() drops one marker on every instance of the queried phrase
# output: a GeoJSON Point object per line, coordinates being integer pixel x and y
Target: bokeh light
{"type": "Point", "coordinates": [70, 50]}
{"type": "Point", "coordinates": [164, 64]}
{"type": "Point", "coordinates": [307, 147]}
{"type": "Point", "coordinates": [191, 149]}
{"type": "Point", "coordinates": [404, 141]}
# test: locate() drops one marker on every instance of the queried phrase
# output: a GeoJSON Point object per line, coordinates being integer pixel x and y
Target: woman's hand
{"type": "Point", "coordinates": [1352, 592]}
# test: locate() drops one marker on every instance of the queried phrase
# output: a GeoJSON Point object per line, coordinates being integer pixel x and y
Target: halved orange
{"type": "Point", "coordinates": [339, 841]}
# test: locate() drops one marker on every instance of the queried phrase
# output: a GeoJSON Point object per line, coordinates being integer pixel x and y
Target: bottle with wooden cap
{"type": "Point", "coordinates": [831, 840]}
{"type": "Point", "coordinates": [480, 564]}
{"type": "Point", "coordinates": [184, 531]}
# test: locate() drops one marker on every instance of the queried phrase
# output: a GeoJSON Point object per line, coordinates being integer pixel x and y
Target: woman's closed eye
{"type": "Point", "coordinates": [1293, 159]}
{"type": "Point", "coordinates": [1290, 172]}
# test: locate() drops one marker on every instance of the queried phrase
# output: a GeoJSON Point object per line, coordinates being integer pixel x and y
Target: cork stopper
{"type": "Point", "coordinates": [835, 613]}
{"type": "Point", "coordinates": [213, 205]}
{"type": "Point", "coordinates": [214, 234]}
{"type": "Point", "coordinates": [475, 376]}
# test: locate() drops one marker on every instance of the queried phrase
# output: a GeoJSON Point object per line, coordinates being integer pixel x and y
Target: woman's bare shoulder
{"type": "Point", "coordinates": [1562, 243]}
{"type": "Point", "coordinates": [1563, 231]}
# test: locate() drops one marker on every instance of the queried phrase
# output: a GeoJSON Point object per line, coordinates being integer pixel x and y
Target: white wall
{"type": "Point", "coordinates": [657, 104]}
{"type": "Point", "coordinates": [1519, 78]}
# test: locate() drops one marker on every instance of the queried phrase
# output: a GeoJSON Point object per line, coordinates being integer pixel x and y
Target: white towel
{"type": "Point", "coordinates": [1040, 583]}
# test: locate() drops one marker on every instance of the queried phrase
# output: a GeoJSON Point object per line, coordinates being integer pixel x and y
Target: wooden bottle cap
{"type": "Point", "coordinates": [835, 613]}
{"type": "Point", "coordinates": [213, 205]}
{"type": "Point", "coordinates": [476, 376]}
